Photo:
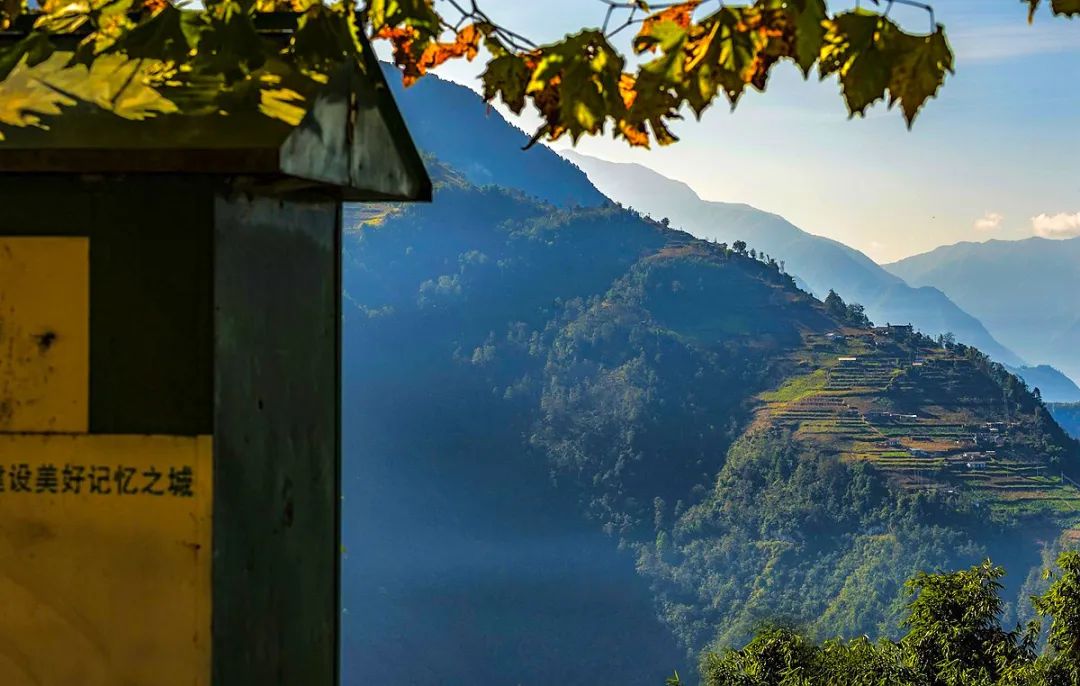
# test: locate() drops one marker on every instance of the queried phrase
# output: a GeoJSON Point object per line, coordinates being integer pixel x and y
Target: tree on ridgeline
{"type": "Point", "coordinates": [835, 305]}
{"type": "Point", "coordinates": [852, 315]}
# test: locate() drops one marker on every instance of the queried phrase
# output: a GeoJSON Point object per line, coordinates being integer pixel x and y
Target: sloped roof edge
{"type": "Point", "coordinates": [347, 135]}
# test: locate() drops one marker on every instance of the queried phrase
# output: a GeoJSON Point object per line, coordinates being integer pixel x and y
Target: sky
{"type": "Point", "coordinates": [995, 156]}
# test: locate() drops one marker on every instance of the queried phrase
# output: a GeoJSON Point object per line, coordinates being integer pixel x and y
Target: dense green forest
{"type": "Point", "coordinates": [748, 453]}
{"type": "Point", "coordinates": [953, 636]}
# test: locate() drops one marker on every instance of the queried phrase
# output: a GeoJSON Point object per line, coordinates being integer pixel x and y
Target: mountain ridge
{"type": "Point", "coordinates": [1052, 384]}
{"type": "Point", "coordinates": [1068, 416]}
{"type": "Point", "coordinates": [452, 124]}
{"type": "Point", "coordinates": [1021, 289]}
{"type": "Point", "coordinates": [483, 159]}
{"type": "Point", "coordinates": [989, 242]}
{"type": "Point", "coordinates": [550, 401]}
{"type": "Point", "coordinates": [821, 262]}
{"type": "Point", "coordinates": [580, 445]}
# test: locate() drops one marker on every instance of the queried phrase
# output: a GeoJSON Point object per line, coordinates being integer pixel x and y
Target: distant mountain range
{"type": "Point", "coordinates": [452, 124]}
{"type": "Point", "coordinates": [820, 263]}
{"type": "Point", "coordinates": [580, 446]}
{"type": "Point", "coordinates": [1068, 416]}
{"type": "Point", "coordinates": [1025, 291]}
{"type": "Point", "coordinates": [1054, 386]}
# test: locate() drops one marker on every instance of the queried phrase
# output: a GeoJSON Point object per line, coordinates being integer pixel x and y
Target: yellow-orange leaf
{"type": "Point", "coordinates": [659, 27]}
{"type": "Point", "coordinates": [635, 134]}
{"type": "Point", "coordinates": [155, 6]}
{"type": "Point", "coordinates": [681, 14]}
{"type": "Point", "coordinates": [627, 89]}
{"type": "Point", "coordinates": [466, 44]}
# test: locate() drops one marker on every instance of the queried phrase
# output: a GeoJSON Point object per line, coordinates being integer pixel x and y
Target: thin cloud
{"type": "Point", "coordinates": [989, 221]}
{"type": "Point", "coordinates": [1007, 41]}
{"type": "Point", "coordinates": [1061, 225]}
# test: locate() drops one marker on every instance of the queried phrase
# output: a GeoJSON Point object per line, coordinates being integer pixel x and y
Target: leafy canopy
{"type": "Point", "coordinates": [954, 639]}
{"type": "Point", "coordinates": [687, 56]}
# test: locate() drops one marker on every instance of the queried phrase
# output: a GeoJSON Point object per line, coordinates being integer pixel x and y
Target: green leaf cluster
{"type": "Point", "coordinates": [954, 638]}
{"type": "Point", "coordinates": [874, 59]}
{"type": "Point", "coordinates": [144, 58]}
{"type": "Point", "coordinates": [580, 85]}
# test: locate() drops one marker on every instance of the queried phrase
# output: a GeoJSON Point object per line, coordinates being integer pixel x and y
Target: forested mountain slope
{"type": "Point", "coordinates": [452, 123]}
{"type": "Point", "coordinates": [580, 447]}
{"type": "Point", "coordinates": [464, 563]}
{"type": "Point", "coordinates": [822, 263]}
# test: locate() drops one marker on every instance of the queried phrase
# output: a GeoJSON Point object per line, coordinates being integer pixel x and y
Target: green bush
{"type": "Point", "coordinates": [954, 638]}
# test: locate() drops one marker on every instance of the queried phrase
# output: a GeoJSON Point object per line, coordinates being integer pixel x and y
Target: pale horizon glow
{"type": "Point", "coordinates": [997, 151]}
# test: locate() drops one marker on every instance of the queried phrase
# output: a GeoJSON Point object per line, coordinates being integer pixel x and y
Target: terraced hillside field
{"type": "Point", "coordinates": [930, 417]}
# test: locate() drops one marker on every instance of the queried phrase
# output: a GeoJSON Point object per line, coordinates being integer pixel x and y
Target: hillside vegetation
{"type": "Point", "coordinates": [586, 396]}
{"type": "Point", "coordinates": [820, 263]}
{"type": "Point", "coordinates": [954, 636]}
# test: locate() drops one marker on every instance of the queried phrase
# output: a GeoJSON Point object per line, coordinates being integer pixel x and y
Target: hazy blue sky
{"type": "Point", "coordinates": [996, 155]}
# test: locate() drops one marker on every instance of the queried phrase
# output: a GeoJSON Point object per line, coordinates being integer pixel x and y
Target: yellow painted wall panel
{"type": "Point", "coordinates": [105, 560]}
{"type": "Point", "coordinates": [44, 334]}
